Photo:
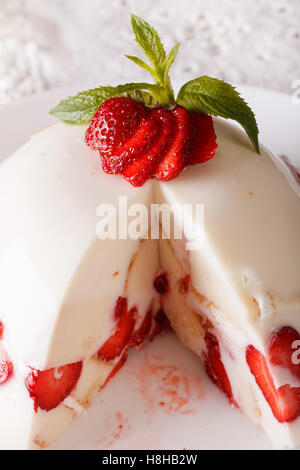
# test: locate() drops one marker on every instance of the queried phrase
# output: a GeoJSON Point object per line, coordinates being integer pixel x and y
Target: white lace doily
{"type": "Point", "coordinates": [46, 44]}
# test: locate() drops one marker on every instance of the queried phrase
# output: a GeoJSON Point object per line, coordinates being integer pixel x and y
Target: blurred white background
{"type": "Point", "coordinates": [46, 44]}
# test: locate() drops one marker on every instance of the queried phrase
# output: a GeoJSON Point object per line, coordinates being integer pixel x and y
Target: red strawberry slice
{"type": "Point", "coordinates": [161, 324]}
{"type": "Point", "coordinates": [48, 388]}
{"type": "Point", "coordinates": [284, 401]}
{"type": "Point", "coordinates": [6, 370]}
{"type": "Point", "coordinates": [6, 367]}
{"type": "Point", "coordinates": [144, 167]}
{"type": "Point", "coordinates": [114, 346]}
{"type": "Point", "coordinates": [114, 123]}
{"type": "Point", "coordinates": [203, 144]}
{"type": "Point", "coordinates": [184, 284]}
{"type": "Point", "coordinates": [142, 143]}
{"type": "Point", "coordinates": [161, 284]}
{"type": "Point", "coordinates": [143, 331]}
{"type": "Point", "coordinates": [120, 308]}
{"type": "Point", "coordinates": [116, 369]}
{"type": "Point", "coordinates": [283, 346]}
{"type": "Point", "coordinates": [174, 160]}
{"type": "Point", "coordinates": [215, 368]}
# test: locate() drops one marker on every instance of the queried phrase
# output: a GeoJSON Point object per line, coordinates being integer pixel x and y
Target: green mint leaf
{"type": "Point", "coordinates": [150, 43]}
{"type": "Point", "coordinates": [80, 109]}
{"type": "Point", "coordinates": [169, 60]}
{"type": "Point", "coordinates": [141, 63]}
{"type": "Point", "coordinates": [212, 96]}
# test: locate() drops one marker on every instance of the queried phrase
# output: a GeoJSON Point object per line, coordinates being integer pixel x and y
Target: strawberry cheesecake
{"type": "Point", "coordinates": [74, 301]}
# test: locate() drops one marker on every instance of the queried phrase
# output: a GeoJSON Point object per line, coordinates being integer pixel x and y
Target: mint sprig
{"type": "Point", "coordinates": [204, 95]}
{"type": "Point", "coordinates": [150, 43]}
{"type": "Point", "coordinates": [160, 63]}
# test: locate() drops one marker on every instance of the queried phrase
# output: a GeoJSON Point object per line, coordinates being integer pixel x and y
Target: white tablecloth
{"type": "Point", "coordinates": [50, 43]}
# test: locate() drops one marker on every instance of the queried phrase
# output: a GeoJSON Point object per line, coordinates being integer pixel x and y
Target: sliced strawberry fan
{"type": "Point", "coordinates": [141, 131]}
{"type": "Point", "coordinates": [156, 143]}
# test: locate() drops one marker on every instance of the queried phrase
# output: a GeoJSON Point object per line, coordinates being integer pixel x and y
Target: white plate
{"type": "Point", "coordinates": [161, 399]}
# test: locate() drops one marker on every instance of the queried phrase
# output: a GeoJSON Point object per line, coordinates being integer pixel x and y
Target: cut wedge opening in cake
{"type": "Point", "coordinates": [72, 305]}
